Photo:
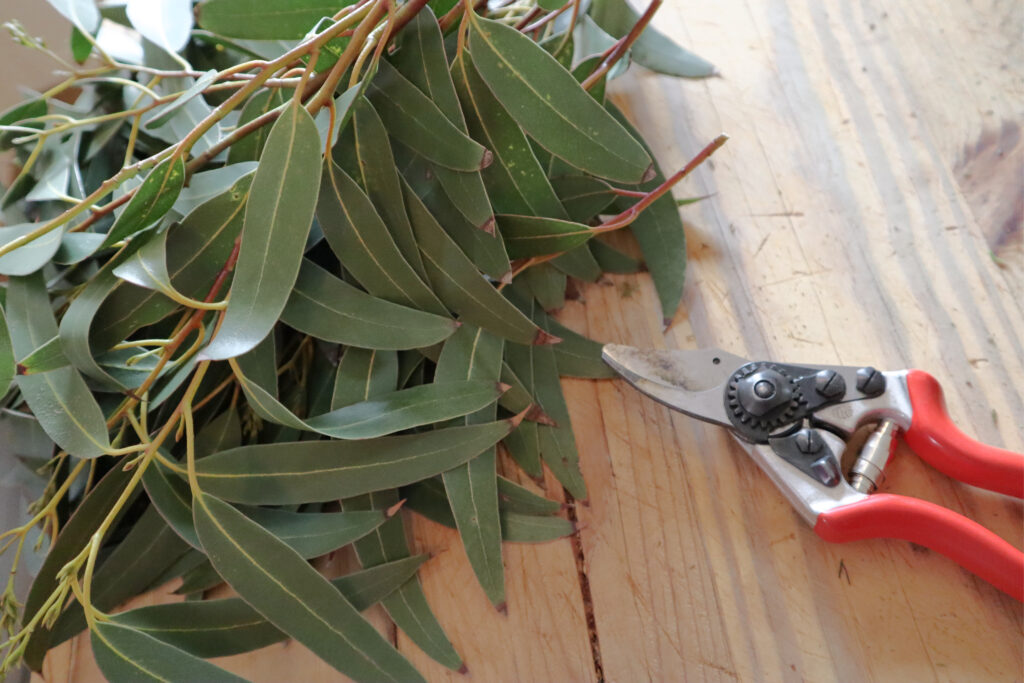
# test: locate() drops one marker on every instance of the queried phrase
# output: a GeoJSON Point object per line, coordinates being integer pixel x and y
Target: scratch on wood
{"type": "Point", "coordinates": [844, 571]}
{"type": "Point", "coordinates": [588, 601]}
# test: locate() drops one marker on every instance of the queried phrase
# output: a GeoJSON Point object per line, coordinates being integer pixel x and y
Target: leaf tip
{"type": "Point", "coordinates": [543, 337]}
{"type": "Point", "coordinates": [536, 414]}
{"type": "Point", "coordinates": [488, 227]}
{"type": "Point", "coordinates": [487, 159]}
{"type": "Point", "coordinates": [502, 387]}
{"type": "Point", "coordinates": [393, 510]}
{"type": "Point", "coordinates": [502, 608]}
{"type": "Point", "coordinates": [665, 324]}
{"type": "Point", "coordinates": [22, 370]}
{"type": "Point", "coordinates": [464, 670]}
{"type": "Point", "coordinates": [515, 420]}
{"type": "Point", "coordinates": [650, 174]}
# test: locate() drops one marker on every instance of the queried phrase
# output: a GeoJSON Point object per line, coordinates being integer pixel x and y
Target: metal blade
{"type": "Point", "coordinates": [692, 382]}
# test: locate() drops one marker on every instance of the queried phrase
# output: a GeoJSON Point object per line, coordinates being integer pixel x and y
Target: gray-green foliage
{"type": "Point", "coordinates": [256, 306]}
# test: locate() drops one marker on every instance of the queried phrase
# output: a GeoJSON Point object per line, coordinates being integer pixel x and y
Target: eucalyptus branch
{"type": "Point", "coordinates": [619, 50]}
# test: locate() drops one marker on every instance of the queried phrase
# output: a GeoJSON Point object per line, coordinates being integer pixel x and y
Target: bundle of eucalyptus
{"type": "Point", "coordinates": [275, 269]}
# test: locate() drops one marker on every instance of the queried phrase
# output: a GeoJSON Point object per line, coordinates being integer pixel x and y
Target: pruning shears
{"type": "Point", "coordinates": [795, 422]}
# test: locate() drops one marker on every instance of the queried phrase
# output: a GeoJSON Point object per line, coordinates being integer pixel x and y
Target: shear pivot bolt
{"type": "Point", "coordinates": [870, 381]}
{"type": "Point", "coordinates": [764, 391]}
{"type": "Point", "coordinates": [829, 383]}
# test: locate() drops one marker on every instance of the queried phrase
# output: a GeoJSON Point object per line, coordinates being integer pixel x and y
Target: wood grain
{"type": "Point", "coordinates": [867, 210]}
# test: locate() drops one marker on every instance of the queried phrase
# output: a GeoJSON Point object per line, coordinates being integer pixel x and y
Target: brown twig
{"type": "Point", "coordinates": [618, 51]}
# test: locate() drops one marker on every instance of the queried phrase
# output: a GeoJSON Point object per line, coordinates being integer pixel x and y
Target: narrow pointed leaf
{"type": "Point", "coordinates": [49, 356]}
{"type": "Point", "coordinates": [407, 606]}
{"type": "Point", "coordinates": [524, 447]}
{"type": "Point", "coordinates": [413, 119]}
{"type": "Point", "coordinates": [259, 20]}
{"type": "Point", "coordinates": [315, 534]}
{"type": "Point", "coordinates": [166, 113]}
{"type": "Point", "coordinates": [576, 355]}
{"type": "Point", "coordinates": [653, 49]}
{"type": "Point", "coordinates": [219, 628]}
{"type": "Point", "coordinates": [659, 230]}
{"type": "Point", "coordinates": [124, 654]}
{"type": "Point", "coordinates": [527, 236]}
{"type": "Point", "coordinates": [250, 148]}
{"type": "Point", "coordinates": [7, 365]}
{"type": "Point", "coordinates": [60, 399]}
{"type": "Point", "coordinates": [516, 498]}
{"type": "Point", "coordinates": [333, 310]}
{"type": "Point", "coordinates": [316, 471]}
{"type": "Point", "coordinates": [517, 398]}
{"type": "Point", "coordinates": [278, 217]}
{"type": "Point", "coordinates": [457, 282]}
{"type": "Point", "coordinates": [205, 185]}
{"type": "Point", "coordinates": [551, 106]}
{"type": "Point", "coordinates": [279, 584]}
{"type": "Point", "coordinates": [220, 434]}
{"type": "Point", "coordinates": [197, 250]}
{"type": "Point", "coordinates": [584, 197]}
{"type": "Point", "coordinates": [151, 201]}
{"type": "Point", "coordinates": [612, 260]}
{"type": "Point", "coordinates": [358, 236]}
{"type": "Point", "coordinates": [77, 246]}
{"type": "Point", "coordinates": [31, 257]}
{"type": "Point", "coordinates": [472, 488]}
{"type": "Point", "coordinates": [422, 60]}
{"type": "Point", "coordinates": [547, 285]}
{"type": "Point", "coordinates": [372, 150]}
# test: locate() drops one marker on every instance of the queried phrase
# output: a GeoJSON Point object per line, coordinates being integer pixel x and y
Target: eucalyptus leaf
{"type": "Point", "coordinates": [124, 654]}
{"type": "Point", "coordinates": [219, 628]}
{"type": "Point", "coordinates": [276, 581]}
{"type": "Point", "coordinates": [164, 114]}
{"type": "Point", "coordinates": [278, 217]}
{"type": "Point", "coordinates": [333, 310]}
{"type": "Point", "coordinates": [251, 146]}
{"type": "Point", "coordinates": [540, 94]}
{"type": "Point", "coordinates": [265, 21]}
{"type": "Point", "coordinates": [29, 258]}
{"type": "Point", "coordinates": [166, 23]}
{"type": "Point", "coordinates": [413, 119]}
{"type": "Point", "coordinates": [59, 399]}
{"type": "Point", "coordinates": [151, 201]}
{"type": "Point", "coordinates": [613, 260]}
{"type": "Point", "coordinates": [315, 471]}
{"type": "Point", "coordinates": [527, 236]}
{"type": "Point", "coordinates": [7, 365]}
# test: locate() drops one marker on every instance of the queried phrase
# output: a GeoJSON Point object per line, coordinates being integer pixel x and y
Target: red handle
{"type": "Point", "coordinates": [966, 542]}
{"type": "Point", "coordinates": [934, 437]}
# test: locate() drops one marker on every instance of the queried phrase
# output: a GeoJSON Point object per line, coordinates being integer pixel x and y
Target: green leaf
{"type": "Point", "coordinates": [523, 446]}
{"type": "Point", "coordinates": [517, 398]}
{"type": "Point", "coordinates": [19, 114]}
{"type": "Point", "coordinates": [372, 151]}
{"type": "Point", "coordinates": [219, 628]}
{"type": "Point", "coordinates": [414, 120]}
{"type": "Point", "coordinates": [129, 656]}
{"type": "Point", "coordinates": [547, 285]}
{"type": "Point", "coordinates": [314, 534]}
{"type": "Point", "coordinates": [197, 250]}
{"type": "Point", "coordinates": [172, 498]}
{"type": "Point", "coordinates": [653, 49]}
{"type": "Point", "coordinates": [516, 498]}
{"type": "Point", "coordinates": [29, 258]}
{"type": "Point", "coordinates": [251, 146]}
{"type": "Point", "coordinates": [583, 197]}
{"type": "Point", "coordinates": [428, 499]}
{"type": "Point", "coordinates": [81, 13]}
{"type": "Point", "coordinates": [364, 374]}
{"type": "Point", "coordinates": [659, 230]}
{"type": "Point", "coordinates": [77, 246]}
{"type": "Point", "coordinates": [458, 283]}
{"type": "Point", "coordinates": [7, 365]}
{"type": "Point", "coordinates": [258, 20]}
{"type": "Point", "coordinates": [73, 537]}
{"type": "Point", "coordinates": [316, 471]}
{"type": "Point", "coordinates": [59, 399]}
{"type": "Point", "coordinates": [81, 46]}
{"type": "Point", "coordinates": [575, 355]}
{"type": "Point", "coordinates": [612, 260]}
{"type": "Point", "coordinates": [151, 201]}
{"type": "Point", "coordinates": [358, 236]}
{"type": "Point", "coordinates": [280, 585]}
{"type": "Point", "coordinates": [473, 353]}
{"type": "Point", "coordinates": [333, 310]}
{"type": "Point", "coordinates": [220, 434]}
{"type": "Point", "coordinates": [527, 236]}
{"type": "Point", "coordinates": [422, 60]}
{"type": "Point", "coordinates": [407, 606]}
{"type": "Point", "coordinates": [278, 217]}
{"type": "Point", "coordinates": [551, 106]}
{"type": "Point", "coordinates": [537, 367]}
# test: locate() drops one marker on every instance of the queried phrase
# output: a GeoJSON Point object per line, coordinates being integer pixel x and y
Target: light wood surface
{"type": "Point", "coordinates": [867, 210]}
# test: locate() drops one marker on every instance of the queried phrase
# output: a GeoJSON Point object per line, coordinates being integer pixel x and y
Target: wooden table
{"type": "Point", "coordinates": [867, 210]}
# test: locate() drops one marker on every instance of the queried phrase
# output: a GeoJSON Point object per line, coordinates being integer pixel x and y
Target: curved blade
{"type": "Point", "coordinates": [692, 382]}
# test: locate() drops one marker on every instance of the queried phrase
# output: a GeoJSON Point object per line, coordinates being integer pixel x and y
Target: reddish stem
{"type": "Point", "coordinates": [618, 51]}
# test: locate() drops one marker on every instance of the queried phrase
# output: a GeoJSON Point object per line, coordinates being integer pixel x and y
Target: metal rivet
{"type": "Point", "coordinates": [829, 383]}
{"type": "Point", "coordinates": [870, 381]}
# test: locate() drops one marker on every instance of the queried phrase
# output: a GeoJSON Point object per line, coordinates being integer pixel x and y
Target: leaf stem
{"type": "Point", "coordinates": [618, 51]}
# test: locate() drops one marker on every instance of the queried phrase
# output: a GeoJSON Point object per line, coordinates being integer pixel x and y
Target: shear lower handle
{"type": "Point", "coordinates": [934, 437]}
{"type": "Point", "coordinates": [964, 541]}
